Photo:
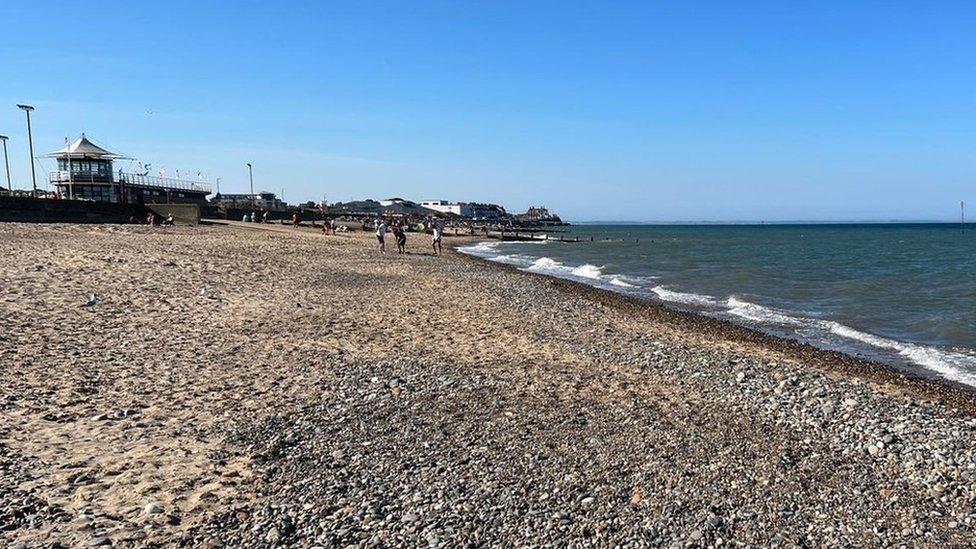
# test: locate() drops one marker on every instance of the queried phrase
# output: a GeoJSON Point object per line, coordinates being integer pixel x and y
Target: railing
{"type": "Point", "coordinates": [78, 177]}
{"type": "Point", "coordinates": [164, 183]}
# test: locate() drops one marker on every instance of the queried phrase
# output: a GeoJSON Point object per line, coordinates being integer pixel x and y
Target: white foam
{"type": "Point", "coordinates": [952, 365]}
{"type": "Point", "coordinates": [618, 280]}
{"type": "Point", "coordinates": [588, 271]}
{"type": "Point", "coordinates": [547, 265]}
{"type": "Point", "coordinates": [945, 362]}
{"type": "Point", "coordinates": [758, 313]}
{"type": "Point", "coordinates": [682, 297]}
{"type": "Point", "coordinates": [481, 248]}
{"type": "Point", "coordinates": [513, 259]}
{"type": "Point", "coordinates": [957, 365]}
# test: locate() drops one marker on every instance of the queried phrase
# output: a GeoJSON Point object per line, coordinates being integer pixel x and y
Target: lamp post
{"type": "Point", "coordinates": [250, 176]}
{"type": "Point", "coordinates": [30, 142]}
{"type": "Point", "coordinates": [6, 163]}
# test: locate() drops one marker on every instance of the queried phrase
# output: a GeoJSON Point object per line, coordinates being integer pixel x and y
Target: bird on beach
{"type": "Point", "coordinates": [92, 301]}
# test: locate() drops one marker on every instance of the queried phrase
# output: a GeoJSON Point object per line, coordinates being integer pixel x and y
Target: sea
{"type": "Point", "coordinates": [902, 294]}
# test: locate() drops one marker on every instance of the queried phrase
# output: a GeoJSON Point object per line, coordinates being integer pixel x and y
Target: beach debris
{"type": "Point", "coordinates": [637, 495]}
{"type": "Point", "coordinates": [92, 301]}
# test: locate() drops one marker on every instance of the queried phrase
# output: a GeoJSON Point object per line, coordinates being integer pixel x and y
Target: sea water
{"type": "Point", "coordinates": [903, 294]}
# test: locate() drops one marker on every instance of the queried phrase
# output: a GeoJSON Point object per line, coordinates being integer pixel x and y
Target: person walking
{"type": "Point", "coordinates": [381, 234]}
{"type": "Point", "coordinates": [435, 242]}
{"type": "Point", "coordinates": [401, 238]}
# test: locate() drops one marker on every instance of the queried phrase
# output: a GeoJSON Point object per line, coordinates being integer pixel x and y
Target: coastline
{"type": "Point", "coordinates": [924, 385]}
{"type": "Point", "coordinates": [242, 385]}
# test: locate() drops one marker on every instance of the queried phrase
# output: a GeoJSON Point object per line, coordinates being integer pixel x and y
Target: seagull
{"type": "Point", "coordinates": [92, 301]}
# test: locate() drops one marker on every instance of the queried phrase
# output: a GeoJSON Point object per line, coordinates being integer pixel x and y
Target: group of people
{"type": "Point", "coordinates": [329, 226]}
{"type": "Point", "coordinates": [400, 235]}
{"type": "Point", "coordinates": [256, 217]}
{"type": "Point", "coordinates": [153, 221]}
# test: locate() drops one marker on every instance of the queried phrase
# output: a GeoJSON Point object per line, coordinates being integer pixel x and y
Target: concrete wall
{"type": "Point", "coordinates": [183, 214]}
{"type": "Point", "coordinates": [41, 210]}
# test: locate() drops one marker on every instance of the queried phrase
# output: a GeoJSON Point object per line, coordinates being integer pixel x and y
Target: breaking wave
{"type": "Point", "coordinates": [958, 365]}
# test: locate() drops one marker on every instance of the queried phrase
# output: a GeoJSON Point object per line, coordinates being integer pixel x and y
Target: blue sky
{"type": "Point", "coordinates": [631, 111]}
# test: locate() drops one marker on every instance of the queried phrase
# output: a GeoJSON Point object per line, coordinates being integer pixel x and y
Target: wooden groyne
{"type": "Point", "coordinates": [517, 236]}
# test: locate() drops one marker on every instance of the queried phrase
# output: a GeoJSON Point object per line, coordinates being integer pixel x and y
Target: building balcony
{"type": "Point", "coordinates": [131, 180]}
{"type": "Point", "coordinates": [78, 177]}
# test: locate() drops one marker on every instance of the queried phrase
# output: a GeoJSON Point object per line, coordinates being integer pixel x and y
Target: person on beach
{"type": "Point", "coordinates": [401, 238]}
{"type": "Point", "coordinates": [381, 234]}
{"type": "Point", "coordinates": [327, 226]}
{"type": "Point", "coordinates": [435, 242]}
{"type": "Point", "coordinates": [294, 219]}
{"type": "Point", "coordinates": [264, 217]}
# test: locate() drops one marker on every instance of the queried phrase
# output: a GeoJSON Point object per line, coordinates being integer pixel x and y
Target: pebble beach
{"type": "Point", "coordinates": [260, 386]}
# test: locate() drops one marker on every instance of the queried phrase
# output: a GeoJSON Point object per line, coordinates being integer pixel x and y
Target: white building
{"type": "Point", "coordinates": [471, 210]}
{"type": "Point", "coordinates": [456, 208]}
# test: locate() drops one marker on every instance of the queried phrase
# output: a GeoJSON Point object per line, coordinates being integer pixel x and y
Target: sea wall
{"type": "Point", "coordinates": [183, 214]}
{"type": "Point", "coordinates": [42, 210]}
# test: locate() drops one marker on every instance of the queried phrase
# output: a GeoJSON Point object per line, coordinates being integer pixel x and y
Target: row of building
{"type": "Point", "coordinates": [86, 171]}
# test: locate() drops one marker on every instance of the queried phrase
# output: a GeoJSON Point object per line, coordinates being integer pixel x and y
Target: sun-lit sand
{"type": "Point", "coordinates": [250, 385]}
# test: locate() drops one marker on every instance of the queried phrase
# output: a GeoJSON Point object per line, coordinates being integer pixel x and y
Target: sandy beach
{"type": "Point", "coordinates": [244, 385]}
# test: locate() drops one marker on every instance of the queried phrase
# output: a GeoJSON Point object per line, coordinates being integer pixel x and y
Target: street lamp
{"type": "Point", "coordinates": [6, 162]}
{"type": "Point", "coordinates": [250, 176]}
{"type": "Point", "coordinates": [30, 141]}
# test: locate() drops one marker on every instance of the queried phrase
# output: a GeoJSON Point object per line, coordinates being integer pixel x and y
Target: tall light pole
{"type": "Point", "coordinates": [6, 162]}
{"type": "Point", "coordinates": [30, 142]}
{"type": "Point", "coordinates": [250, 176]}
{"type": "Point", "coordinates": [71, 177]}
{"type": "Point", "coordinates": [218, 186]}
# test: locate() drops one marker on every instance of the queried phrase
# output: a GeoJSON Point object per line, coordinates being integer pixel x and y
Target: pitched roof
{"type": "Point", "coordinates": [83, 148]}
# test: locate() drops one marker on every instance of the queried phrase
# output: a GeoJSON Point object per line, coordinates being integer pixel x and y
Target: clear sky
{"type": "Point", "coordinates": [600, 110]}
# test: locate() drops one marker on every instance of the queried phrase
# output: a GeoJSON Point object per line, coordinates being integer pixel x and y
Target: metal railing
{"type": "Point", "coordinates": [78, 177]}
{"type": "Point", "coordinates": [165, 183]}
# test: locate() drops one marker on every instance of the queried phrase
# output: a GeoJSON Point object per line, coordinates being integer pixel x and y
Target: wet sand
{"type": "Point", "coordinates": [241, 385]}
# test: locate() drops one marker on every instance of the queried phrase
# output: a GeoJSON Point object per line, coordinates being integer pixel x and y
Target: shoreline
{"type": "Point", "coordinates": [279, 387]}
{"type": "Point", "coordinates": [946, 391]}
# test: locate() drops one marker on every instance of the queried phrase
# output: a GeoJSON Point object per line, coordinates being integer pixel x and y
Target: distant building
{"type": "Point", "coordinates": [397, 200]}
{"type": "Point", "coordinates": [444, 206]}
{"type": "Point", "coordinates": [390, 206]}
{"type": "Point", "coordinates": [537, 212]}
{"type": "Point", "coordinates": [471, 210]}
{"type": "Point", "coordinates": [85, 172]}
{"type": "Point", "coordinates": [538, 215]}
{"type": "Point", "coordinates": [263, 201]}
{"type": "Point", "coordinates": [487, 212]}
